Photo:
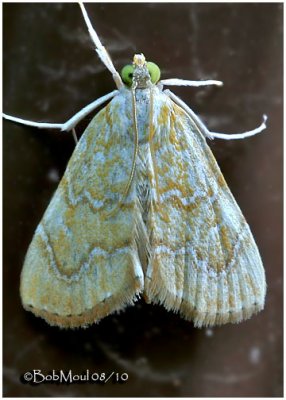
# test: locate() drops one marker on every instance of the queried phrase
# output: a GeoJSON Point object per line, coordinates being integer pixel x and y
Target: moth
{"type": "Point", "coordinates": [142, 210]}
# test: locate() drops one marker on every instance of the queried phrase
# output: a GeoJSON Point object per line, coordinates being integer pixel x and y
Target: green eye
{"type": "Point", "coordinates": [154, 71]}
{"type": "Point", "coordinates": [127, 74]}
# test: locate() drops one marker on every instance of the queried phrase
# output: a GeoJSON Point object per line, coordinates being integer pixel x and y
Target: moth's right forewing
{"type": "Point", "coordinates": [81, 264]}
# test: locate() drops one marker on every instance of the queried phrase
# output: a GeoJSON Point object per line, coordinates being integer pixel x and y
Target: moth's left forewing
{"type": "Point", "coordinates": [204, 263]}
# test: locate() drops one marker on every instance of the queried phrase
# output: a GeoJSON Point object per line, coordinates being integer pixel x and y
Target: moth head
{"type": "Point", "coordinates": [140, 74]}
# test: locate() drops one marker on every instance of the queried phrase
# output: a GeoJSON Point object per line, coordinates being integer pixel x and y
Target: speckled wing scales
{"type": "Point", "coordinates": [204, 262]}
{"type": "Point", "coordinates": [179, 237]}
{"type": "Point", "coordinates": [81, 265]}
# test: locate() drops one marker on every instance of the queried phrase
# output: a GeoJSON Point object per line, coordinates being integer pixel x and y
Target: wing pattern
{"type": "Point", "coordinates": [179, 237]}
{"type": "Point", "coordinates": [205, 263]}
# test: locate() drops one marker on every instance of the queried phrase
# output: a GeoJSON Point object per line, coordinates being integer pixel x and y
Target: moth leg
{"type": "Point", "coordinates": [184, 82]}
{"type": "Point", "coordinates": [204, 130]}
{"type": "Point", "coordinates": [71, 123]}
{"type": "Point", "coordinates": [198, 122]}
{"type": "Point", "coordinates": [242, 135]}
{"type": "Point", "coordinates": [74, 136]}
{"type": "Point", "coordinates": [41, 125]}
{"type": "Point", "coordinates": [100, 49]}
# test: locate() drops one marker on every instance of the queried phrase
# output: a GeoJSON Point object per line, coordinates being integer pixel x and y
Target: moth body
{"type": "Point", "coordinates": [142, 211]}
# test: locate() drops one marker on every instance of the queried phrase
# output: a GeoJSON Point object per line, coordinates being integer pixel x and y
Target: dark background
{"type": "Point", "coordinates": [50, 72]}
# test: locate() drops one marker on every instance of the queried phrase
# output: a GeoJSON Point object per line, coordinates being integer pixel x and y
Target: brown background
{"type": "Point", "coordinates": [50, 72]}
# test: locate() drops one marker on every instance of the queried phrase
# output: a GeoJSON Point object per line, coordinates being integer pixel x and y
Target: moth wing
{"type": "Point", "coordinates": [204, 262]}
{"type": "Point", "coordinates": [82, 264]}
